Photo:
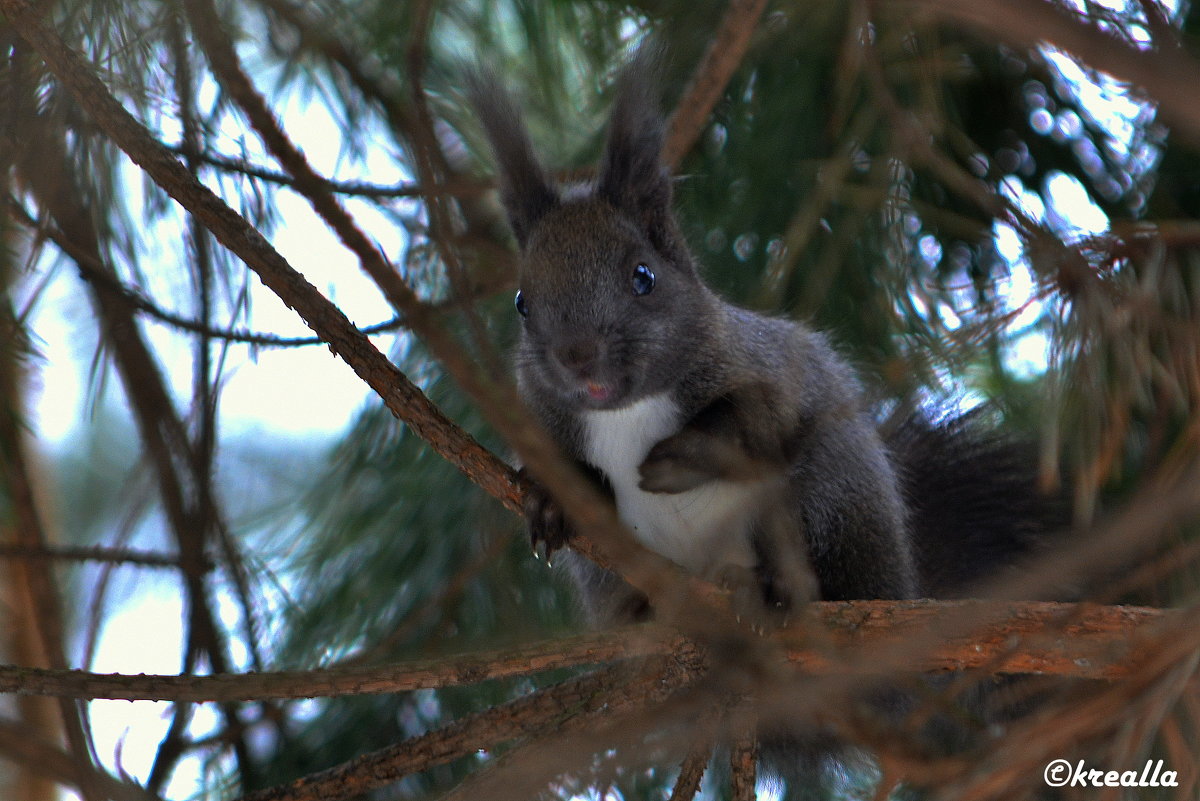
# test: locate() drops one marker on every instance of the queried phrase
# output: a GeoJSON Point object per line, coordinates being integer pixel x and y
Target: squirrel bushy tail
{"type": "Point", "coordinates": [975, 508]}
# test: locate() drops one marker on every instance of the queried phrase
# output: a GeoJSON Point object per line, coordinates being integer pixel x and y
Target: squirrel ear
{"type": "Point", "coordinates": [525, 190]}
{"type": "Point", "coordinates": [632, 175]}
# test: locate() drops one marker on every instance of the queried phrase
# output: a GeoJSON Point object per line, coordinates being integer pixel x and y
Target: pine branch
{"type": "Point", "coordinates": [1076, 640]}
{"type": "Point", "coordinates": [95, 553]}
{"type": "Point", "coordinates": [352, 680]}
{"type": "Point", "coordinates": [586, 696]}
{"type": "Point", "coordinates": [691, 773]}
{"type": "Point", "coordinates": [234, 232]}
{"type": "Point", "coordinates": [743, 764]}
{"type": "Point", "coordinates": [722, 58]}
{"type": "Point", "coordinates": [36, 579]}
{"type": "Point", "coordinates": [458, 187]}
{"type": "Point", "coordinates": [184, 483]}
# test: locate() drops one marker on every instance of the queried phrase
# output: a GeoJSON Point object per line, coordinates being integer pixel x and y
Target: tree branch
{"type": "Point", "coordinates": [722, 58]}
{"type": "Point", "coordinates": [586, 695]}
{"type": "Point", "coordinates": [95, 553]}
{"type": "Point", "coordinates": [458, 187]}
{"type": "Point", "coordinates": [17, 490]}
{"type": "Point", "coordinates": [351, 680]}
{"type": "Point", "coordinates": [1077, 640]}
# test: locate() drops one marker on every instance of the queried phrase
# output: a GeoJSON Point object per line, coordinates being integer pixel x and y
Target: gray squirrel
{"type": "Point", "coordinates": [732, 442]}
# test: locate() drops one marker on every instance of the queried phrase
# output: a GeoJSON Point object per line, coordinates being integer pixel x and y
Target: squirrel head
{"type": "Point", "coordinates": [610, 298]}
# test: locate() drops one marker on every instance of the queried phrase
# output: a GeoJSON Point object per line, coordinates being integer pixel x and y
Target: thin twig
{"type": "Point", "coordinates": [458, 187]}
{"type": "Point", "coordinates": [93, 553]}
{"type": "Point", "coordinates": [104, 274]}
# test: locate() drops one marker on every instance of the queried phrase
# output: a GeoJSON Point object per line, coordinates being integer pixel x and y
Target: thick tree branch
{"type": "Point", "coordinates": [691, 773]}
{"type": "Point", "coordinates": [1077, 640]}
{"type": "Point", "coordinates": [353, 680]}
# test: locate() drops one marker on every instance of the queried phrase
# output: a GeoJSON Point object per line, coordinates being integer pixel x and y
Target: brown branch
{"type": "Point", "coordinates": [458, 186]}
{"type": "Point", "coordinates": [582, 696]}
{"type": "Point", "coordinates": [1077, 640]}
{"type": "Point", "coordinates": [352, 680]}
{"type": "Point", "coordinates": [722, 58]}
{"type": "Point", "coordinates": [184, 484]}
{"type": "Point", "coordinates": [691, 773]}
{"type": "Point", "coordinates": [743, 762]}
{"type": "Point", "coordinates": [658, 679]}
{"type": "Point", "coordinates": [227, 67]}
{"type": "Point", "coordinates": [95, 553]}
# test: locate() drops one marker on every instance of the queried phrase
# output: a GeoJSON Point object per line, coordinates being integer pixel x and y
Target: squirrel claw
{"type": "Point", "coordinates": [548, 526]}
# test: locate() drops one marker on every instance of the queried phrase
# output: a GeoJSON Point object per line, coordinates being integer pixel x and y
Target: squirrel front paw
{"type": "Point", "coordinates": [547, 524]}
{"type": "Point", "coordinates": [747, 601]}
{"type": "Point", "coordinates": [676, 464]}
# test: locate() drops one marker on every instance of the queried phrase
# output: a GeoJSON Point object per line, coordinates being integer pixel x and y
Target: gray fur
{"type": "Point", "coordinates": [768, 459]}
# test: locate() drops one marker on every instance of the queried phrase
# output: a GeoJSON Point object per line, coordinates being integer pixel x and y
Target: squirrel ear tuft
{"type": "Point", "coordinates": [525, 190]}
{"type": "Point", "coordinates": [632, 174]}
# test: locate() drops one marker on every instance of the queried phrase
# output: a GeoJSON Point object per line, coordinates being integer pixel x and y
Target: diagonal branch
{"type": "Point", "coordinates": [586, 696]}
{"type": "Point", "coordinates": [722, 58]}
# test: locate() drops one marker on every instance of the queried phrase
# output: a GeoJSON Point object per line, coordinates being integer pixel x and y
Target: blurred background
{"type": "Point", "coordinates": [191, 484]}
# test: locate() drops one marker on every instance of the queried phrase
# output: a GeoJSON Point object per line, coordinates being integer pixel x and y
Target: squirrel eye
{"type": "Point", "coordinates": [643, 280]}
{"type": "Point", "coordinates": [519, 302]}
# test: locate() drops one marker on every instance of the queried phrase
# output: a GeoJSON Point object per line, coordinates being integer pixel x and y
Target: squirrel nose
{"type": "Point", "coordinates": [578, 356]}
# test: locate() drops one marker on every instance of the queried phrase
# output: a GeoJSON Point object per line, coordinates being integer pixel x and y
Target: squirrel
{"type": "Point", "coordinates": [732, 442]}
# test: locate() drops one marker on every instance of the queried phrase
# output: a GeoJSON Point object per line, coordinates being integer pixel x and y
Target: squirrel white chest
{"type": "Point", "coordinates": [702, 529]}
